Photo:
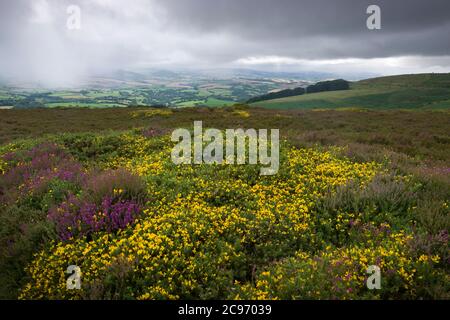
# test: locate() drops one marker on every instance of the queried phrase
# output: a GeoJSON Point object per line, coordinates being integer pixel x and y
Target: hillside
{"type": "Point", "coordinates": [321, 86]}
{"type": "Point", "coordinates": [404, 91]}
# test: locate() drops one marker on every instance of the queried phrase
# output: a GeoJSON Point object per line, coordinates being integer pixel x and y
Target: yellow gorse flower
{"type": "Point", "coordinates": [202, 221]}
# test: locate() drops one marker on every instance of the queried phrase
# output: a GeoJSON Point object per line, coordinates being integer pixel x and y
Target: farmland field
{"type": "Point", "coordinates": [166, 89]}
{"type": "Point", "coordinates": [96, 188]}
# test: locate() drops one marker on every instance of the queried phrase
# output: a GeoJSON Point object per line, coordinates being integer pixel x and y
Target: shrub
{"type": "Point", "coordinates": [386, 200]}
{"type": "Point", "coordinates": [87, 147]}
{"type": "Point", "coordinates": [23, 231]}
{"type": "Point", "coordinates": [32, 174]}
{"type": "Point", "coordinates": [75, 218]}
{"type": "Point", "coordinates": [154, 132]}
{"type": "Point", "coordinates": [116, 284]}
{"type": "Point", "coordinates": [341, 273]}
{"type": "Point", "coordinates": [433, 215]}
{"type": "Point", "coordinates": [118, 184]}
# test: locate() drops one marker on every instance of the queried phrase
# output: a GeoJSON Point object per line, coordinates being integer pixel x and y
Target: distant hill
{"type": "Point", "coordinates": [431, 90]}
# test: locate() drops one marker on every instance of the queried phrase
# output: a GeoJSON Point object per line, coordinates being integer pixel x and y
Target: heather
{"type": "Point", "coordinates": [77, 218]}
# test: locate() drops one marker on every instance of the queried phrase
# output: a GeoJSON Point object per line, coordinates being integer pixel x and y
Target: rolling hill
{"type": "Point", "coordinates": [424, 91]}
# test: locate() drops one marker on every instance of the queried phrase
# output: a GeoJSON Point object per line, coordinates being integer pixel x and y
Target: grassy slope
{"type": "Point", "coordinates": [406, 92]}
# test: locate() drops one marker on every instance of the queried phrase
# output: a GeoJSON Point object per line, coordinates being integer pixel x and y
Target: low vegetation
{"type": "Point", "coordinates": [97, 189]}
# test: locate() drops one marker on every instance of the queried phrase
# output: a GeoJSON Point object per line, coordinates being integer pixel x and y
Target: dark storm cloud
{"type": "Point", "coordinates": [282, 34]}
{"type": "Point", "coordinates": [408, 26]}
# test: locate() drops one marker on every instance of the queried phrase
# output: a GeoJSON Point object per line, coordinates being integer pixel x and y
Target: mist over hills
{"type": "Point", "coordinates": [146, 76]}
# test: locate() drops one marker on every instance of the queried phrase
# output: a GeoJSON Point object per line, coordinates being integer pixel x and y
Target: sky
{"type": "Point", "coordinates": [36, 43]}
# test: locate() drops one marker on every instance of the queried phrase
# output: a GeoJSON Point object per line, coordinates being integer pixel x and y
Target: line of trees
{"type": "Point", "coordinates": [322, 86]}
{"type": "Point", "coordinates": [332, 85]}
{"type": "Point", "coordinates": [279, 94]}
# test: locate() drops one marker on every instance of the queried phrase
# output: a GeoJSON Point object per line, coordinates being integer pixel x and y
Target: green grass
{"type": "Point", "coordinates": [191, 103]}
{"type": "Point", "coordinates": [213, 102]}
{"type": "Point", "coordinates": [67, 95]}
{"type": "Point", "coordinates": [403, 92]}
{"type": "Point", "coordinates": [210, 102]}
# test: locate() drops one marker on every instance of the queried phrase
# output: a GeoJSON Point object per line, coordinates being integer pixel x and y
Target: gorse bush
{"type": "Point", "coordinates": [340, 273]}
{"type": "Point", "coordinates": [140, 227]}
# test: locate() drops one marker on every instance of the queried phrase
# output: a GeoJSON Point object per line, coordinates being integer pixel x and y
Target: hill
{"type": "Point", "coordinates": [404, 92]}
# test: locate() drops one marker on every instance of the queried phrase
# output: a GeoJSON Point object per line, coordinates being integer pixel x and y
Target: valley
{"type": "Point", "coordinates": [156, 88]}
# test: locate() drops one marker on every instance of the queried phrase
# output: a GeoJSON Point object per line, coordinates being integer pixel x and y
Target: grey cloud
{"type": "Point", "coordinates": [35, 45]}
{"type": "Point", "coordinates": [294, 24]}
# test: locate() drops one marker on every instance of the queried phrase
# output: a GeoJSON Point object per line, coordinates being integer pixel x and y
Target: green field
{"type": "Point", "coordinates": [213, 102]}
{"type": "Point", "coordinates": [403, 92]}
